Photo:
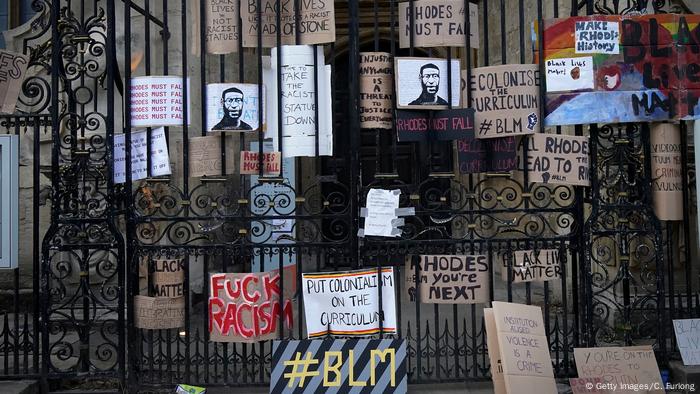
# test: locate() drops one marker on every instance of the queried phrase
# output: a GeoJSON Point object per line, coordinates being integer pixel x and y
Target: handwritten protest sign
{"type": "Point", "coordinates": [623, 369]}
{"type": "Point", "coordinates": [13, 67]}
{"type": "Point", "coordinates": [558, 159]}
{"type": "Point", "coordinates": [569, 74]}
{"type": "Point", "coordinates": [221, 21]}
{"type": "Point", "coordinates": [667, 171]}
{"type": "Point", "coordinates": [376, 90]}
{"type": "Point", "coordinates": [450, 279]}
{"type": "Point", "coordinates": [316, 22]}
{"type": "Point", "coordinates": [486, 155]}
{"type": "Point", "coordinates": [506, 99]}
{"type": "Point", "coordinates": [160, 161]}
{"type": "Point", "coordinates": [688, 340]}
{"type": "Point", "coordinates": [499, 384]}
{"type": "Point", "coordinates": [438, 23]}
{"type": "Point", "coordinates": [445, 125]}
{"type": "Point", "coordinates": [157, 101]}
{"type": "Point", "coordinates": [597, 37]}
{"type": "Point", "coordinates": [381, 219]}
{"type": "Point", "coordinates": [250, 163]}
{"type": "Point", "coordinates": [205, 156]}
{"type": "Point", "coordinates": [234, 107]}
{"type": "Point", "coordinates": [527, 365]}
{"type": "Point", "coordinates": [155, 313]}
{"type": "Point", "coordinates": [246, 307]}
{"type": "Point", "coordinates": [535, 265]}
{"type": "Point", "coordinates": [588, 385]}
{"type": "Point", "coordinates": [347, 303]}
{"type": "Point", "coordinates": [421, 83]}
{"type": "Point", "coordinates": [167, 278]}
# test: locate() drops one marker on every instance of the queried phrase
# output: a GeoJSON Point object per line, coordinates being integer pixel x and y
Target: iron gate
{"type": "Point", "coordinates": [621, 269]}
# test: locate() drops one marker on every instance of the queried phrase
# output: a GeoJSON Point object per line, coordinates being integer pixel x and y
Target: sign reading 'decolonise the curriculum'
{"type": "Point", "coordinates": [558, 159]}
{"type": "Point", "coordinates": [347, 303]}
{"type": "Point", "coordinates": [438, 23]}
{"type": "Point", "coordinates": [450, 279]}
{"type": "Point", "coordinates": [157, 101]}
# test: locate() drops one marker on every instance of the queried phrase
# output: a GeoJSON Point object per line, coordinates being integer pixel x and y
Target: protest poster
{"type": "Point", "coordinates": [499, 385]}
{"type": "Point", "coordinates": [527, 365]}
{"type": "Point", "coordinates": [376, 90]}
{"type": "Point", "coordinates": [535, 266]}
{"type": "Point", "coordinates": [588, 385]}
{"type": "Point", "coordinates": [13, 67]}
{"type": "Point", "coordinates": [597, 37]}
{"type": "Point", "coordinates": [623, 369]}
{"type": "Point", "coordinates": [160, 161]}
{"type": "Point", "coordinates": [315, 21]}
{"type": "Point", "coordinates": [445, 125]}
{"type": "Point", "coordinates": [688, 339]}
{"type": "Point", "coordinates": [506, 99]}
{"type": "Point", "coordinates": [299, 113]}
{"type": "Point", "coordinates": [376, 366]}
{"type": "Point", "coordinates": [250, 163]}
{"type": "Point", "coordinates": [558, 159]}
{"type": "Point", "coordinates": [233, 107]}
{"type": "Point", "coordinates": [381, 219]}
{"type": "Point", "coordinates": [167, 278]}
{"type": "Point", "coordinates": [156, 313]}
{"type": "Point", "coordinates": [438, 23]}
{"type": "Point", "coordinates": [205, 156]}
{"type": "Point", "coordinates": [667, 171]}
{"type": "Point", "coordinates": [221, 24]}
{"type": "Point", "coordinates": [421, 83]}
{"type": "Point", "coordinates": [245, 307]}
{"type": "Point", "coordinates": [347, 303]}
{"type": "Point", "coordinates": [157, 101]}
{"type": "Point", "coordinates": [486, 155]}
{"type": "Point", "coordinates": [450, 279]}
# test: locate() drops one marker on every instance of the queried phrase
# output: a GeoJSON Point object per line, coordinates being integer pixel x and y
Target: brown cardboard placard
{"type": "Point", "coordinates": [221, 20]}
{"type": "Point", "coordinates": [535, 265]}
{"type": "Point", "coordinates": [205, 156]}
{"type": "Point", "coordinates": [558, 159]}
{"type": "Point", "coordinates": [155, 313]}
{"type": "Point", "coordinates": [506, 99]}
{"type": "Point", "coordinates": [666, 171]}
{"type": "Point", "coordinates": [13, 67]}
{"type": "Point", "coordinates": [250, 163]}
{"type": "Point", "coordinates": [376, 90]}
{"type": "Point", "coordinates": [450, 279]}
{"type": "Point", "coordinates": [316, 22]}
{"type": "Point", "coordinates": [438, 23]}
{"type": "Point", "coordinates": [527, 365]}
{"type": "Point", "coordinates": [422, 82]}
{"type": "Point", "coordinates": [499, 384]}
{"type": "Point", "coordinates": [623, 369]}
{"type": "Point", "coordinates": [167, 278]}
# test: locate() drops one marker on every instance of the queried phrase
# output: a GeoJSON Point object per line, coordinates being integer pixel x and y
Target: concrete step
{"type": "Point", "coordinates": [20, 386]}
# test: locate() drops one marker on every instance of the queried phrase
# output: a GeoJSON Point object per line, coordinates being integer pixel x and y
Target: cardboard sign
{"type": "Point", "coordinates": [381, 219]}
{"type": "Point", "coordinates": [233, 107]}
{"type": "Point", "coordinates": [447, 279]}
{"type": "Point", "coordinates": [347, 303]}
{"type": "Point", "coordinates": [339, 366]}
{"type": "Point", "coordinates": [535, 265]}
{"type": "Point", "coordinates": [376, 90]}
{"type": "Point", "coordinates": [623, 369]}
{"type": "Point", "coordinates": [167, 278]}
{"type": "Point", "coordinates": [250, 163]}
{"type": "Point", "coordinates": [13, 67]}
{"type": "Point", "coordinates": [221, 21]}
{"type": "Point", "coordinates": [667, 171]}
{"type": "Point", "coordinates": [487, 155]}
{"type": "Point", "coordinates": [597, 37]}
{"type": "Point", "coordinates": [157, 101]}
{"type": "Point", "coordinates": [246, 307]}
{"type": "Point", "coordinates": [569, 74]}
{"type": "Point", "coordinates": [160, 161]}
{"type": "Point", "coordinates": [205, 156]}
{"type": "Point", "coordinates": [506, 99]}
{"type": "Point", "coordinates": [588, 385]}
{"type": "Point", "coordinates": [527, 365]}
{"type": "Point", "coordinates": [421, 83]}
{"type": "Point", "coordinates": [438, 23]}
{"type": "Point", "coordinates": [558, 159]}
{"type": "Point", "coordinates": [445, 125]}
{"type": "Point", "coordinates": [316, 21]}
{"type": "Point", "coordinates": [688, 340]}
{"type": "Point", "coordinates": [499, 384]}
{"type": "Point", "coordinates": [156, 313]}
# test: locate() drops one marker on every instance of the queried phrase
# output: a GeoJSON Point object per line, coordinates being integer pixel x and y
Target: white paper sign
{"type": "Point", "coordinates": [567, 74]}
{"type": "Point", "coordinates": [347, 303]}
{"type": "Point", "coordinates": [597, 37]}
{"type": "Point", "coordinates": [233, 107]}
{"type": "Point", "coordinates": [157, 101]}
{"type": "Point", "coordinates": [381, 211]}
{"type": "Point", "coordinates": [421, 83]}
{"type": "Point", "coordinates": [160, 162]}
{"type": "Point", "coordinates": [688, 340]}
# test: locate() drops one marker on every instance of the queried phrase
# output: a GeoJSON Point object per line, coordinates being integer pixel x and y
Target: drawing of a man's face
{"type": "Point", "coordinates": [232, 101]}
{"type": "Point", "coordinates": [430, 79]}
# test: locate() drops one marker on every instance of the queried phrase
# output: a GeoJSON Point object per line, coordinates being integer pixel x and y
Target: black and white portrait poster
{"type": "Point", "coordinates": [233, 107]}
{"type": "Point", "coordinates": [422, 83]}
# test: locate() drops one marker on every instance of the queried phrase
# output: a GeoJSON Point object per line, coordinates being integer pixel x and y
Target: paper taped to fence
{"type": "Point", "coordinates": [160, 161]}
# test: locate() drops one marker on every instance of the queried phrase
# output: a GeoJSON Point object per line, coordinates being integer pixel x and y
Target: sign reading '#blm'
{"type": "Point", "coordinates": [438, 23]}
{"type": "Point", "coordinates": [339, 366]}
{"type": "Point", "coordinates": [446, 279]}
{"type": "Point", "coordinates": [602, 69]}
